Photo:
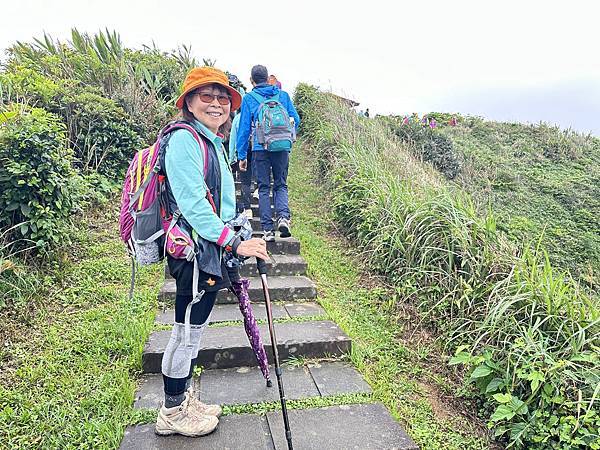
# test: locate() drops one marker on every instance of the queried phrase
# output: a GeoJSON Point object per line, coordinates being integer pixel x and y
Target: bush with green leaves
{"type": "Point", "coordinates": [35, 176]}
{"type": "Point", "coordinates": [101, 133]}
{"type": "Point", "coordinates": [525, 336]}
{"type": "Point", "coordinates": [427, 144]}
{"type": "Point", "coordinates": [23, 85]}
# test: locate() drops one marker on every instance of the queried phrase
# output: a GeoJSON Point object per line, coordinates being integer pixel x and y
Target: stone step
{"type": "Point", "coordinates": [278, 265]}
{"type": "Point", "coordinates": [292, 241]}
{"type": "Point", "coordinates": [245, 431]}
{"type": "Point", "coordinates": [228, 346]}
{"type": "Point", "coordinates": [288, 288]}
{"type": "Point", "coordinates": [281, 246]}
{"type": "Point", "coordinates": [243, 385]}
{"type": "Point", "coordinates": [253, 199]}
{"type": "Point", "coordinates": [231, 312]}
{"type": "Point", "coordinates": [367, 426]}
{"type": "Point", "coordinates": [256, 212]}
{"type": "Point", "coordinates": [363, 426]}
{"type": "Point", "coordinates": [253, 185]}
{"type": "Point", "coordinates": [256, 226]}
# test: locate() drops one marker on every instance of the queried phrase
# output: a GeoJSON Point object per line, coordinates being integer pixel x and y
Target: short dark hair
{"type": "Point", "coordinates": [259, 74]}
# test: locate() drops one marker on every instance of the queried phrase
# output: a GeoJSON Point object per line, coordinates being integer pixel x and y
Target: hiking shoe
{"type": "Point", "coordinates": [184, 420]}
{"type": "Point", "coordinates": [283, 226]}
{"type": "Point", "coordinates": [248, 213]}
{"type": "Point", "coordinates": [201, 408]}
{"type": "Point", "coordinates": [255, 194]}
{"type": "Point", "coordinates": [269, 236]}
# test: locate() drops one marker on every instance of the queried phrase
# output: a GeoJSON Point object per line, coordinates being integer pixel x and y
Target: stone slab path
{"type": "Point", "coordinates": [310, 343]}
{"type": "Point", "coordinates": [360, 427]}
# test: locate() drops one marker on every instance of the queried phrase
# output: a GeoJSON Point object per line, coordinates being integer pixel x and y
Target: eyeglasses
{"type": "Point", "coordinates": [208, 98]}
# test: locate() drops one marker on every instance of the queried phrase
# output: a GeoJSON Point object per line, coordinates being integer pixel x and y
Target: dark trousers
{"type": "Point", "coordinates": [246, 180]}
{"type": "Point", "coordinates": [265, 164]}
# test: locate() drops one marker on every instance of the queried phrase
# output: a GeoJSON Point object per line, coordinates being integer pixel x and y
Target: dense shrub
{"type": "Point", "coordinates": [526, 337]}
{"type": "Point", "coordinates": [100, 131]}
{"type": "Point", "coordinates": [27, 86]}
{"type": "Point", "coordinates": [35, 176]}
{"type": "Point", "coordinates": [60, 61]}
{"type": "Point", "coordinates": [427, 144]}
{"type": "Point", "coordinates": [159, 73]}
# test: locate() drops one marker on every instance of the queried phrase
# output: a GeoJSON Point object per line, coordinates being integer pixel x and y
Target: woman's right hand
{"type": "Point", "coordinates": [253, 247]}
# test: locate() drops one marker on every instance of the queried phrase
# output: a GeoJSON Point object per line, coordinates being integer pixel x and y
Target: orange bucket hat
{"type": "Point", "coordinates": [201, 76]}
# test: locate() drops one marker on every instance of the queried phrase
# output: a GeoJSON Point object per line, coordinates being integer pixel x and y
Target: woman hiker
{"type": "Point", "coordinates": [205, 103]}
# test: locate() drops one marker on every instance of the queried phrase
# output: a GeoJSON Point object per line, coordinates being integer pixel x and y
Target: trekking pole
{"type": "Point", "coordinates": [262, 270]}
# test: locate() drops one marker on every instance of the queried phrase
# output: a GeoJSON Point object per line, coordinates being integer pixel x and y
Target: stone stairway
{"type": "Point", "coordinates": [314, 348]}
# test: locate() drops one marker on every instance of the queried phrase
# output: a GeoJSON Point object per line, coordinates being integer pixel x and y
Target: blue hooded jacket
{"type": "Point", "coordinates": [248, 115]}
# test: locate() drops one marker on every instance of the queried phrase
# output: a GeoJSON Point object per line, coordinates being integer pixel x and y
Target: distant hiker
{"type": "Point", "coordinates": [245, 177]}
{"type": "Point", "coordinates": [266, 112]}
{"type": "Point", "coordinates": [432, 123]}
{"type": "Point", "coordinates": [453, 122]}
{"type": "Point", "coordinates": [273, 81]}
{"type": "Point", "coordinates": [201, 198]}
{"type": "Point", "coordinates": [405, 121]}
{"type": "Point", "coordinates": [367, 112]}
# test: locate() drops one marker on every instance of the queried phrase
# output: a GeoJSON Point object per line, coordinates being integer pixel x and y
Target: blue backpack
{"type": "Point", "coordinates": [273, 128]}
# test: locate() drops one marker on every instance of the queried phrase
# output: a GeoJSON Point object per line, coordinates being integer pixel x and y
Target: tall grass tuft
{"type": "Point", "coordinates": [526, 335]}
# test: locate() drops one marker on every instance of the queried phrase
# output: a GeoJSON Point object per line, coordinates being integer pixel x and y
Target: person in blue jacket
{"type": "Point", "coordinates": [266, 162]}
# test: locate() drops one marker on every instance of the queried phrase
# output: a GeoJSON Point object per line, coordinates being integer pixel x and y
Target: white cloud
{"type": "Point", "coordinates": [390, 56]}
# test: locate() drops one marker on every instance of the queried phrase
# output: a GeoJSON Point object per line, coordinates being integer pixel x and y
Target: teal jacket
{"type": "Point", "coordinates": [184, 163]}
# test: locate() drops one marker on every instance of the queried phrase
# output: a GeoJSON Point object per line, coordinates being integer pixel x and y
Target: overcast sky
{"type": "Point", "coordinates": [511, 60]}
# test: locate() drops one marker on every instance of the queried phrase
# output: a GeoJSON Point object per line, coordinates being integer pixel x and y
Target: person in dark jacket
{"type": "Point", "coordinates": [266, 162]}
{"type": "Point", "coordinates": [206, 204]}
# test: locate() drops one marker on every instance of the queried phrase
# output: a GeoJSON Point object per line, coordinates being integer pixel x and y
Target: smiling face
{"type": "Point", "coordinates": [212, 114]}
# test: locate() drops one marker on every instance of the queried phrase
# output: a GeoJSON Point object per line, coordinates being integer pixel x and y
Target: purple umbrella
{"type": "Point", "coordinates": [240, 289]}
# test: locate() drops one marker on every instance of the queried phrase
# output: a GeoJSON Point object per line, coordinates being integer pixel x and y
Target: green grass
{"type": "Point", "coordinates": [262, 408]}
{"type": "Point", "coordinates": [304, 403]}
{"type": "Point", "coordinates": [543, 183]}
{"type": "Point", "coordinates": [400, 374]}
{"type": "Point", "coordinates": [68, 370]}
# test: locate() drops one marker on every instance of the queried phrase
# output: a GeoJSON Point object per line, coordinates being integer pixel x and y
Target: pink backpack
{"type": "Point", "coordinates": [144, 225]}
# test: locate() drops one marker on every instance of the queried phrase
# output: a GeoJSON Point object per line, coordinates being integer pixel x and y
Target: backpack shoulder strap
{"type": "Point", "coordinates": [259, 98]}
{"type": "Point", "coordinates": [185, 126]}
{"type": "Point", "coordinates": [203, 146]}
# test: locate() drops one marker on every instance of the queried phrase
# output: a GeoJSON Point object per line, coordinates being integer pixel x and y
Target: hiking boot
{"type": "Point", "coordinates": [255, 194]}
{"type": "Point", "coordinates": [184, 420]}
{"type": "Point", "coordinates": [202, 408]}
{"type": "Point", "coordinates": [283, 226]}
{"type": "Point", "coordinates": [248, 213]}
{"type": "Point", "coordinates": [269, 236]}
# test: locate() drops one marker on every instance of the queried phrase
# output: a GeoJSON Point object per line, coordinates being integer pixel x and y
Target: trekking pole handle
{"type": "Point", "coordinates": [262, 266]}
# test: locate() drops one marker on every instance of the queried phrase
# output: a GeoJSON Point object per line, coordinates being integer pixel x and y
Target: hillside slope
{"type": "Point", "coordinates": [524, 338]}
{"type": "Point", "coordinates": [543, 184]}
